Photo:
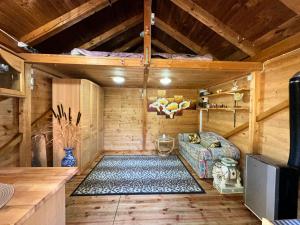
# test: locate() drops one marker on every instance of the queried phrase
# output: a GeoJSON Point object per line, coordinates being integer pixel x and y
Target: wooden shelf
{"type": "Point", "coordinates": [226, 93]}
{"type": "Point", "coordinates": [223, 109]}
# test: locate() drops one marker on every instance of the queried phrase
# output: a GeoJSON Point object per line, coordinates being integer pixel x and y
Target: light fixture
{"type": "Point", "coordinates": [118, 80]}
{"type": "Point", "coordinates": [165, 81]}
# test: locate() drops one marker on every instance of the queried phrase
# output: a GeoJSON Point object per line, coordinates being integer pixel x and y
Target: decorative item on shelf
{"type": "Point", "coordinates": [235, 87]}
{"type": "Point", "coordinates": [237, 97]}
{"type": "Point", "coordinates": [203, 92]}
{"type": "Point", "coordinates": [219, 91]}
{"type": "Point", "coordinates": [227, 177]}
{"type": "Point", "coordinates": [68, 133]}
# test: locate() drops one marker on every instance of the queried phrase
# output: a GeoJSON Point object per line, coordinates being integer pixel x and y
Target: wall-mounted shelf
{"type": "Point", "coordinates": [224, 109]}
{"type": "Point", "coordinates": [226, 93]}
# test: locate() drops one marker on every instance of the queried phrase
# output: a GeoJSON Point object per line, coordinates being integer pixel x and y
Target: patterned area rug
{"type": "Point", "coordinates": [138, 174]}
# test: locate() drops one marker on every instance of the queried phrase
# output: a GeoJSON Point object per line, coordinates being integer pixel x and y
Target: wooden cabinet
{"type": "Point", "coordinates": [86, 97]}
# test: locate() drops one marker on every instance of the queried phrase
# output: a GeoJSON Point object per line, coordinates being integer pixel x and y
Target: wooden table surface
{"type": "Point", "coordinates": [33, 186]}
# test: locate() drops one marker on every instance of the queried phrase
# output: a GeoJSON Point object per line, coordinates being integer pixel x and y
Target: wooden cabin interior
{"type": "Point", "coordinates": [149, 111]}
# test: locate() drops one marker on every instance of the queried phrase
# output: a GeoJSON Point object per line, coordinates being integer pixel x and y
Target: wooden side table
{"type": "Point", "coordinates": [165, 145]}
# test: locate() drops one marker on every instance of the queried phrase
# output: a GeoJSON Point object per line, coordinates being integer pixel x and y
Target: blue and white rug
{"type": "Point", "coordinates": [138, 174]}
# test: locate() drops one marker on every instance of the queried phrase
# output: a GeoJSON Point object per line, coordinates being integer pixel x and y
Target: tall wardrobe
{"type": "Point", "coordinates": [87, 98]}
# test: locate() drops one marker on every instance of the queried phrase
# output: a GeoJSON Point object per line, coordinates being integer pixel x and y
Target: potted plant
{"type": "Point", "coordinates": [69, 134]}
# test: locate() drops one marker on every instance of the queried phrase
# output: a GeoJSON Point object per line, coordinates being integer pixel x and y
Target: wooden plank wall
{"type": "Point", "coordinates": [123, 119]}
{"type": "Point", "coordinates": [9, 127]}
{"type": "Point", "coordinates": [273, 132]}
{"type": "Point", "coordinates": [222, 122]}
{"type": "Point", "coordinates": [41, 102]}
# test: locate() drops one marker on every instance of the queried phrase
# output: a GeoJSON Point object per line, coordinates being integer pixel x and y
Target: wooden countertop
{"type": "Point", "coordinates": [33, 186]}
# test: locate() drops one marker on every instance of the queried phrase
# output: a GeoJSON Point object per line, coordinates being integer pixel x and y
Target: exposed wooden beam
{"type": "Point", "coordinates": [281, 32]}
{"type": "Point", "coordinates": [236, 130]}
{"type": "Point", "coordinates": [260, 117]}
{"type": "Point", "coordinates": [129, 45]}
{"type": "Point", "coordinates": [284, 46]}
{"type": "Point", "coordinates": [25, 120]}
{"type": "Point", "coordinates": [66, 20]}
{"type": "Point", "coordinates": [145, 106]}
{"type": "Point", "coordinates": [115, 31]}
{"type": "Point", "coordinates": [294, 5]}
{"type": "Point", "coordinates": [255, 85]}
{"type": "Point", "coordinates": [273, 110]}
{"type": "Point", "coordinates": [216, 25]}
{"type": "Point", "coordinates": [243, 67]}
{"type": "Point", "coordinates": [147, 31]}
{"type": "Point", "coordinates": [11, 143]}
{"type": "Point", "coordinates": [79, 60]}
{"type": "Point", "coordinates": [180, 37]}
{"type": "Point", "coordinates": [162, 46]}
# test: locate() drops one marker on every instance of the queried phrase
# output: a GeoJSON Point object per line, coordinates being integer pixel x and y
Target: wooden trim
{"type": "Point", "coordinates": [179, 37]}
{"type": "Point", "coordinates": [11, 143]}
{"type": "Point", "coordinates": [11, 93]}
{"type": "Point", "coordinates": [25, 120]}
{"type": "Point", "coordinates": [260, 117]}
{"type": "Point", "coordinates": [147, 31]}
{"type": "Point", "coordinates": [162, 46]}
{"type": "Point", "coordinates": [66, 20]}
{"type": "Point", "coordinates": [48, 71]}
{"type": "Point", "coordinates": [115, 31]}
{"type": "Point", "coordinates": [273, 110]}
{"type": "Point", "coordinates": [236, 130]}
{"type": "Point", "coordinates": [253, 111]}
{"type": "Point", "coordinates": [129, 45]}
{"type": "Point", "coordinates": [216, 25]}
{"type": "Point", "coordinates": [293, 5]}
{"type": "Point", "coordinates": [41, 117]}
{"type": "Point", "coordinates": [284, 46]}
{"type": "Point", "coordinates": [81, 60]}
{"type": "Point", "coordinates": [207, 65]}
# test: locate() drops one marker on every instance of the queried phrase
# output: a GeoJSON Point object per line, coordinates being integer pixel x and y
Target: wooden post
{"type": "Point", "coordinates": [145, 107]}
{"type": "Point", "coordinates": [25, 119]}
{"type": "Point", "coordinates": [253, 111]}
{"type": "Point", "coordinates": [147, 31]}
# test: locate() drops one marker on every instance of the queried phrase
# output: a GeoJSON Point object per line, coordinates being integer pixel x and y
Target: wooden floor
{"type": "Point", "coordinates": [209, 208]}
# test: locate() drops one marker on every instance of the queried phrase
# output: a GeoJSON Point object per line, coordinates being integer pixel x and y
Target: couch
{"type": "Point", "coordinates": [203, 156]}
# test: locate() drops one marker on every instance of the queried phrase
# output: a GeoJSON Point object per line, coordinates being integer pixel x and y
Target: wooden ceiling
{"type": "Point", "coordinates": [227, 29]}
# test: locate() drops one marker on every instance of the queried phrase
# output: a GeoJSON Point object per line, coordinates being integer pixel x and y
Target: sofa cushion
{"type": "Point", "coordinates": [227, 149]}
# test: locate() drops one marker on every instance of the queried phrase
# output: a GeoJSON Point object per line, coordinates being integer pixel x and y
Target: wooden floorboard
{"type": "Point", "coordinates": [209, 208]}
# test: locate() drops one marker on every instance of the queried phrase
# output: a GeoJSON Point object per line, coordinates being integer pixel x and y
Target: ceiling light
{"type": "Point", "coordinates": [119, 80]}
{"type": "Point", "coordinates": [165, 81]}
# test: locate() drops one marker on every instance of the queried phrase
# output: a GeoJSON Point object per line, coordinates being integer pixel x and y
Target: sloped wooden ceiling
{"type": "Point", "coordinates": [229, 30]}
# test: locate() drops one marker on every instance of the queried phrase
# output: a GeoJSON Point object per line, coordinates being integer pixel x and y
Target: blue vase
{"type": "Point", "coordinates": [69, 160]}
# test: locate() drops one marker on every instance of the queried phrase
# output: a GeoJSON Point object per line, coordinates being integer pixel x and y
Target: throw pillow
{"type": "Point", "coordinates": [194, 138]}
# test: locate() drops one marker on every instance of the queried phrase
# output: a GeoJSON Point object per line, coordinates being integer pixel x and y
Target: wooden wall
{"type": "Point", "coordinates": [222, 122]}
{"type": "Point", "coordinates": [123, 119]}
{"type": "Point", "coordinates": [273, 135]}
{"type": "Point", "coordinates": [9, 127]}
{"type": "Point", "coordinates": [41, 102]}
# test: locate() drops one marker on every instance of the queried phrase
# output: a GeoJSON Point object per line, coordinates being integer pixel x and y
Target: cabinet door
{"type": "Point", "coordinates": [85, 123]}
{"type": "Point", "coordinates": [11, 75]}
{"type": "Point", "coordinates": [94, 120]}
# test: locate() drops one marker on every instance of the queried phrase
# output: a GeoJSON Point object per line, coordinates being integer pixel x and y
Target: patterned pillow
{"type": "Point", "coordinates": [194, 138]}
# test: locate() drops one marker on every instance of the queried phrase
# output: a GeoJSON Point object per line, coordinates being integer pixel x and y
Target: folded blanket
{"type": "Point", "coordinates": [79, 51]}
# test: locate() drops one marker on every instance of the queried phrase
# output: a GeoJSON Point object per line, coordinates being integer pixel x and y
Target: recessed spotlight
{"type": "Point", "coordinates": [165, 81]}
{"type": "Point", "coordinates": [119, 80]}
